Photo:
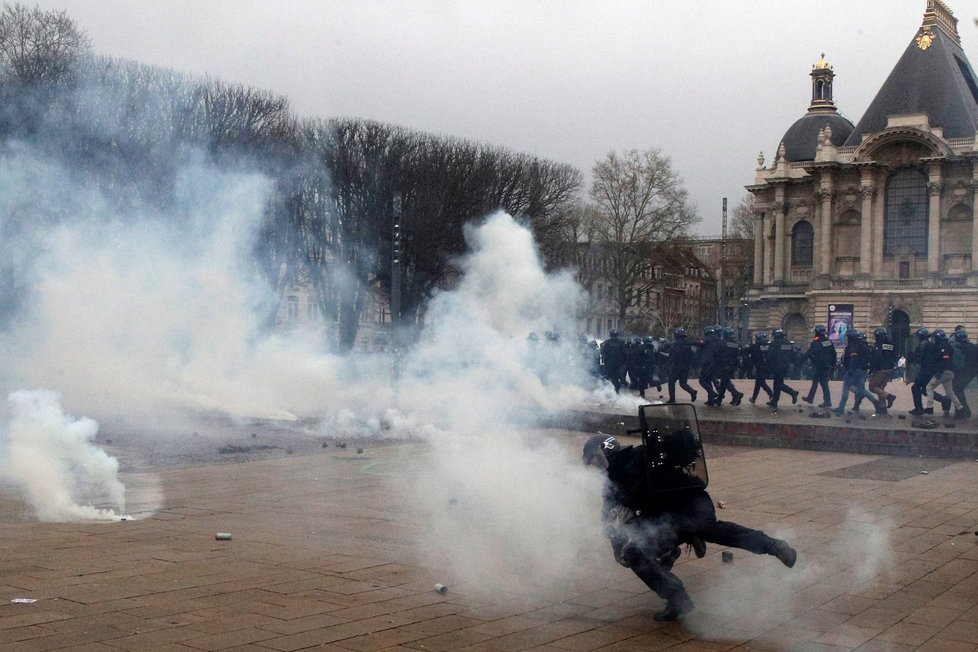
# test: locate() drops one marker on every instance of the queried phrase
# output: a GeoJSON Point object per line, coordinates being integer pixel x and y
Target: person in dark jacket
{"type": "Point", "coordinates": [963, 376]}
{"type": "Point", "coordinates": [757, 357]}
{"type": "Point", "coordinates": [727, 359]}
{"type": "Point", "coordinates": [779, 356]}
{"type": "Point", "coordinates": [881, 368]}
{"type": "Point", "coordinates": [678, 358]}
{"type": "Point", "coordinates": [944, 373]}
{"type": "Point", "coordinates": [822, 356]}
{"type": "Point", "coordinates": [613, 360]}
{"type": "Point", "coordinates": [856, 360]}
{"type": "Point", "coordinates": [706, 360]}
{"type": "Point", "coordinates": [924, 359]}
{"type": "Point", "coordinates": [648, 514]}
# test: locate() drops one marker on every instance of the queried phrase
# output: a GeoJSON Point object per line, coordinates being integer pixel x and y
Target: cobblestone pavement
{"type": "Point", "coordinates": [324, 555]}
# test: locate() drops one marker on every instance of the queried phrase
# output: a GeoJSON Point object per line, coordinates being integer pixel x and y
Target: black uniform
{"type": "Point", "coordinates": [821, 352]}
{"type": "Point", "coordinates": [613, 361]}
{"type": "Point", "coordinates": [677, 358]}
{"type": "Point", "coordinates": [926, 358]}
{"type": "Point", "coordinates": [727, 359]}
{"type": "Point", "coordinates": [757, 355]}
{"type": "Point", "coordinates": [779, 356]}
{"type": "Point", "coordinates": [965, 374]}
{"type": "Point", "coordinates": [706, 358]}
{"type": "Point", "coordinates": [648, 514]}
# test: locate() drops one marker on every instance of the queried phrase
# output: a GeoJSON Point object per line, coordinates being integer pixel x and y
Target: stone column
{"type": "Point", "coordinates": [824, 235]}
{"type": "Point", "coordinates": [974, 217]}
{"type": "Point", "coordinates": [879, 222]}
{"type": "Point", "coordinates": [779, 243]}
{"type": "Point", "coordinates": [935, 187]}
{"type": "Point", "coordinates": [866, 228]}
{"type": "Point", "coordinates": [758, 248]}
{"type": "Point", "coordinates": [766, 256]}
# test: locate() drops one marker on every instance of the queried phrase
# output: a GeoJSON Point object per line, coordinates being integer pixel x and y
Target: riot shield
{"type": "Point", "coordinates": [674, 455]}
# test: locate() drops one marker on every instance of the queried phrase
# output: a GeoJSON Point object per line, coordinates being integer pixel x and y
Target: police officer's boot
{"type": "Point", "coordinates": [785, 553]}
{"type": "Point", "coordinates": [677, 606]}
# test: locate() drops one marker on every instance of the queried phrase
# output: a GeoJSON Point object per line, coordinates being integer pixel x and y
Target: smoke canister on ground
{"type": "Point", "coordinates": [223, 536]}
{"type": "Point", "coordinates": [441, 588]}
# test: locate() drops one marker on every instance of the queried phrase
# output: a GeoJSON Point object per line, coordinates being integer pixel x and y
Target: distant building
{"type": "Point", "coordinates": [876, 220]}
{"type": "Point", "coordinates": [679, 290]}
{"type": "Point", "coordinates": [731, 261]}
{"type": "Point", "coordinates": [299, 310]}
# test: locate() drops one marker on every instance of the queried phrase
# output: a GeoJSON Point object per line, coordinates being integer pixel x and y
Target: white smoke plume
{"type": "Point", "coordinates": [50, 455]}
{"type": "Point", "coordinates": [143, 316]}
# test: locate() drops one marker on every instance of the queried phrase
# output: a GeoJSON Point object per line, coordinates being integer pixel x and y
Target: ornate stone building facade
{"type": "Point", "coordinates": [879, 215]}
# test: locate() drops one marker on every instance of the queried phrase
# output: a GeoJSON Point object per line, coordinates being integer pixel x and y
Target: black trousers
{"type": "Point", "coordinates": [820, 378]}
{"type": "Point", "coordinates": [919, 388]}
{"type": "Point", "coordinates": [657, 534]}
{"type": "Point", "coordinates": [761, 383]}
{"type": "Point", "coordinates": [780, 386]}
{"type": "Point", "coordinates": [680, 376]}
{"type": "Point", "coordinates": [961, 380]}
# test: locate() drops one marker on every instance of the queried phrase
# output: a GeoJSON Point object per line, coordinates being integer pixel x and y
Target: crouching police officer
{"type": "Point", "coordinates": [651, 507]}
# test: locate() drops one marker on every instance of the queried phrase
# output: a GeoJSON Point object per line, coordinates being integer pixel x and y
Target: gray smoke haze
{"type": "Point", "coordinates": [149, 316]}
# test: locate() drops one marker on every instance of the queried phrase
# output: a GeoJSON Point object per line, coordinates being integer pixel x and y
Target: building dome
{"type": "Point", "coordinates": [801, 139]}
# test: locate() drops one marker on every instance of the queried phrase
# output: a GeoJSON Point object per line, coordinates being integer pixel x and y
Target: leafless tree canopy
{"type": "Point", "coordinates": [639, 203]}
{"type": "Point", "coordinates": [742, 223]}
{"type": "Point", "coordinates": [127, 129]}
{"type": "Point", "coordinates": [38, 46]}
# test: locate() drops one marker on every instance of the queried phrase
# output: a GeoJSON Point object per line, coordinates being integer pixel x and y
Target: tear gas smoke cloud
{"type": "Point", "coordinates": [141, 315]}
{"type": "Point", "coordinates": [52, 458]}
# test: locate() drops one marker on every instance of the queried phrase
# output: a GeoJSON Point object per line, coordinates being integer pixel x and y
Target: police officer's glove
{"type": "Point", "coordinates": [628, 555]}
{"type": "Point", "coordinates": [620, 515]}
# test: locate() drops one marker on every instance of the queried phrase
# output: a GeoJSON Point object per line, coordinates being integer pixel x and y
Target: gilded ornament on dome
{"type": "Point", "coordinates": [925, 38]}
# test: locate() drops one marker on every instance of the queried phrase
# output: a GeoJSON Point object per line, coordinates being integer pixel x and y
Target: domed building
{"type": "Point", "coordinates": [874, 223]}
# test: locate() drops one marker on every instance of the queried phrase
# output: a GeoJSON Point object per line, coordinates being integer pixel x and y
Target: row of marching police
{"type": "Point", "coordinates": [939, 368]}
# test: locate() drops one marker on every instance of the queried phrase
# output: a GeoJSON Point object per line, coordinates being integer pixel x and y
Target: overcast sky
{"type": "Point", "coordinates": [710, 82]}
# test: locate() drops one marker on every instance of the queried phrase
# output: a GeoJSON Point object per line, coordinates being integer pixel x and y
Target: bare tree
{"type": "Point", "coordinates": [640, 203]}
{"type": "Point", "coordinates": [742, 223]}
{"type": "Point", "coordinates": [39, 46]}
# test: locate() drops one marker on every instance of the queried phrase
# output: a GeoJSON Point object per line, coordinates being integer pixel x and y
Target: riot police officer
{"type": "Point", "coordinates": [924, 359]}
{"type": "Point", "coordinates": [706, 358]}
{"type": "Point", "coordinates": [856, 359]}
{"type": "Point", "coordinates": [778, 359]}
{"type": "Point", "coordinates": [648, 512]}
{"type": "Point", "coordinates": [881, 368]}
{"type": "Point", "coordinates": [678, 359]}
{"type": "Point", "coordinates": [613, 360]}
{"type": "Point", "coordinates": [727, 361]}
{"type": "Point", "coordinates": [943, 374]}
{"type": "Point", "coordinates": [757, 356]}
{"type": "Point", "coordinates": [822, 355]}
{"type": "Point", "coordinates": [964, 375]}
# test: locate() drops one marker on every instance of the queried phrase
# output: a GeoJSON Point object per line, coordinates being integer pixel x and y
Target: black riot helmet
{"type": "Point", "coordinates": [600, 444]}
{"type": "Point", "coordinates": [820, 330]}
{"type": "Point", "coordinates": [922, 333]}
{"type": "Point", "coordinates": [778, 334]}
{"type": "Point", "coordinates": [940, 335]}
{"type": "Point", "coordinates": [679, 333]}
{"type": "Point", "coordinates": [728, 332]}
{"type": "Point", "coordinates": [859, 335]}
{"type": "Point", "coordinates": [880, 334]}
{"type": "Point", "coordinates": [760, 337]}
{"type": "Point", "coordinates": [961, 335]}
{"type": "Point", "coordinates": [612, 333]}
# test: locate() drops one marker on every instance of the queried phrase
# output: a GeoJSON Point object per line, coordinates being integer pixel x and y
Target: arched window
{"type": "Point", "coordinates": [907, 213]}
{"type": "Point", "coordinates": [802, 241]}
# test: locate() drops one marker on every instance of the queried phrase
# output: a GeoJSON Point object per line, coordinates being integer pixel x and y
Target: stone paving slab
{"type": "Point", "coordinates": [324, 556]}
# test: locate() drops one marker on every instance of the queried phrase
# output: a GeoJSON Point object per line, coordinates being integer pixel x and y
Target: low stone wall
{"type": "Point", "coordinates": [891, 437]}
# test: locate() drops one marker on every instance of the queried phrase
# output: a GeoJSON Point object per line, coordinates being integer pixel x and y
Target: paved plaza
{"type": "Point", "coordinates": [324, 554]}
